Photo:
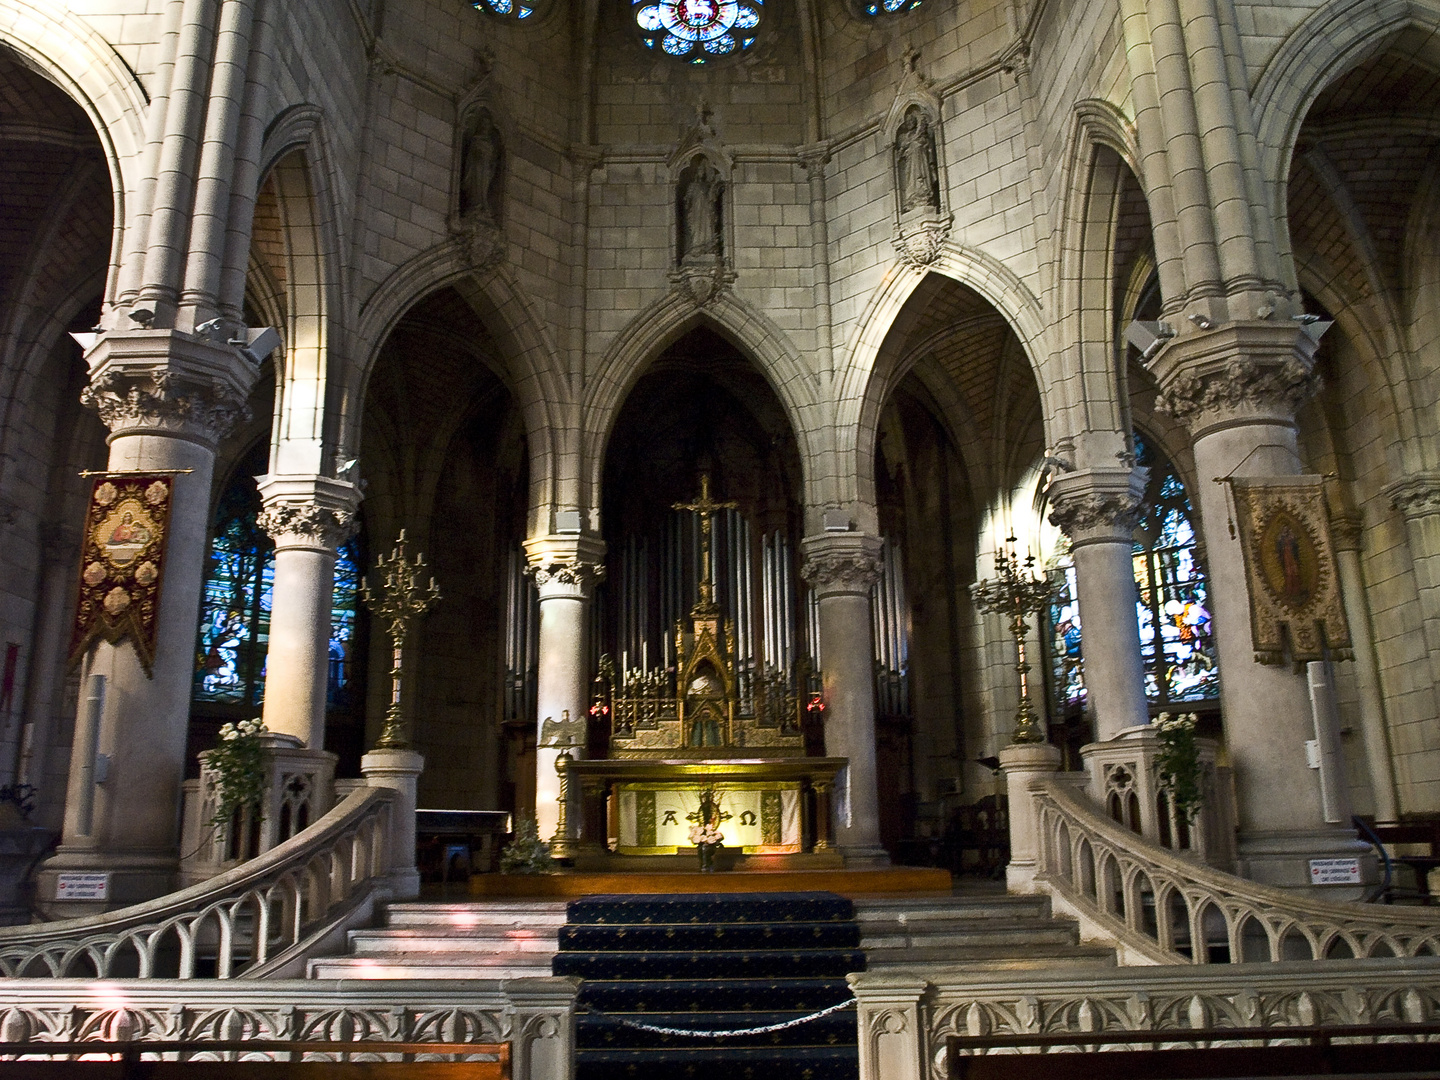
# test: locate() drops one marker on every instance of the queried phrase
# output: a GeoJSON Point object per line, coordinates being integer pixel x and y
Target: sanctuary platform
{"type": "Point", "coordinates": [571, 885]}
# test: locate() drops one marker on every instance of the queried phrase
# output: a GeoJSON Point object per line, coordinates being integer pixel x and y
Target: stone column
{"type": "Point", "coordinates": [1025, 764]}
{"type": "Point", "coordinates": [398, 770]}
{"type": "Point", "coordinates": [167, 398]}
{"type": "Point", "coordinates": [842, 569]}
{"type": "Point", "coordinates": [566, 572]}
{"type": "Point", "coordinates": [1418, 499]}
{"type": "Point", "coordinates": [1347, 532]}
{"type": "Point", "coordinates": [1237, 387]}
{"type": "Point", "coordinates": [1098, 510]}
{"type": "Point", "coordinates": [308, 517]}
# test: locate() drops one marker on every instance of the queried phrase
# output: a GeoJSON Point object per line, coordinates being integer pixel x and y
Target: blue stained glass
{"type": "Point", "coordinates": [505, 9]}
{"type": "Point", "coordinates": [891, 7]}
{"type": "Point", "coordinates": [679, 25]}
{"type": "Point", "coordinates": [525, 12]}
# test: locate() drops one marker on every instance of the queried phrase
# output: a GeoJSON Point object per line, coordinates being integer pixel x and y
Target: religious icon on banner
{"type": "Point", "coordinates": [121, 564]}
{"type": "Point", "coordinates": [1290, 569]}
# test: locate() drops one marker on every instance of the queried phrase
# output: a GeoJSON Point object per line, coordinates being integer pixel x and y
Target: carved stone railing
{"type": "Point", "coordinates": [905, 1014]}
{"type": "Point", "coordinates": [535, 1016]}
{"type": "Point", "coordinates": [1156, 907]}
{"type": "Point", "coordinates": [260, 919]}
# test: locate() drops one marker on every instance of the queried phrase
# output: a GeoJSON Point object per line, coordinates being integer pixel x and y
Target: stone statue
{"type": "Point", "coordinates": [917, 179]}
{"type": "Point", "coordinates": [700, 191]}
{"type": "Point", "coordinates": [480, 156]}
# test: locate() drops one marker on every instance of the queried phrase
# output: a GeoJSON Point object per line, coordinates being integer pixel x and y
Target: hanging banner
{"type": "Point", "coordinates": [1290, 569]}
{"type": "Point", "coordinates": [122, 561]}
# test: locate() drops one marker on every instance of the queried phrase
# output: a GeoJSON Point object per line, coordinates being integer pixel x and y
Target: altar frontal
{"type": "Point", "coordinates": [655, 818]}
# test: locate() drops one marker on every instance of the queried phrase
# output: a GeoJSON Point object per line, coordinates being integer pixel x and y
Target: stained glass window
{"type": "Point", "coordinates": [890, 7]}
{"type": "Point", "coordinates": [1177, 642]}
{"type": "Point", "coordinates": [506, 9]}
{"type": "Point", "coordinates": [235, 606]}
{"type": "Point", "coordinates": [698, 31]}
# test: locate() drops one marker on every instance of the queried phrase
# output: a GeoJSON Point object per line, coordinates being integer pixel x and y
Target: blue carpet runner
{"type": "Point", "coordinates": [712, 962]}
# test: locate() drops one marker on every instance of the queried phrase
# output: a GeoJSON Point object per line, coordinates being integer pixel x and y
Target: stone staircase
{"type": "Point", "coordinates": [980, 927]}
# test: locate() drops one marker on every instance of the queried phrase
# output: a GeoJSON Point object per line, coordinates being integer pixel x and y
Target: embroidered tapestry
{"type": "Point", "coordinates": [1290, 569]}
{"type": "Point", "coordinates": [122, 560]}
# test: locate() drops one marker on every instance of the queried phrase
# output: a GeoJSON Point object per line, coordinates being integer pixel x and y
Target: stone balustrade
{"type": "Point", "coordinates": [906, 1014]}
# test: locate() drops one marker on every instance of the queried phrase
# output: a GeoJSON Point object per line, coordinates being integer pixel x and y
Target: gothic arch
{"type": "Point", "coordinates": [83, 64]}
{"type": "Point", "coordinates": [533, 369]}
{"type": "Point", "coordinates": [647, 337]}
{"type": "Point", "coordinates": [871, 369]}
{"type": "Point", "coordinates": [1329, 42]}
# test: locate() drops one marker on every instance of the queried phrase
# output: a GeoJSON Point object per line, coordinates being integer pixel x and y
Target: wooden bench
{"type": "Point", "coordinates": [135, 1061]}
{"type": "Point", "coordinates": [1319, 1054]}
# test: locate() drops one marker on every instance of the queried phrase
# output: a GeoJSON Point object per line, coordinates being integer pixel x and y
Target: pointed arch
{"type": "Point", "coordinates": [875, 362]}
{"type": "Point", "coordinates": [71, 54]}
{"type": "Point", "coordinates": [1330, 41]}
{"type": "Point", "coordinates": [533, 372]}
{"type": "Point", "coordinates": [648, 335]}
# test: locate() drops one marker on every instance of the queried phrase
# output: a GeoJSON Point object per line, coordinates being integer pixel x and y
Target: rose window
{"type": "Point", "coordinates": [698, 30]}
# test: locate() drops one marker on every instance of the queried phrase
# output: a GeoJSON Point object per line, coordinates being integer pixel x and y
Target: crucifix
{"type": "Point", "coordinates": [705, 507]}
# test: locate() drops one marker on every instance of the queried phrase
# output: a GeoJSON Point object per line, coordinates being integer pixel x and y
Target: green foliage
{"type": "Point", "coordinates": [527, 853]}
{"type": "Point", "coordinates": [1179, 763]}
{"type": "Point", "coordinates": [238, 764]}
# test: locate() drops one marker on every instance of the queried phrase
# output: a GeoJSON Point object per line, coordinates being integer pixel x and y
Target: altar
{"type": "Point", "coordinates": [700, 740]}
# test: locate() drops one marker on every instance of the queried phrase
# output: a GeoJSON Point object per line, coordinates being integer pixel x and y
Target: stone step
{"type": "Point", "coordinates": [992, 959]}
{"type": "Point", "coordinates": [420, 966]}
{"type": "Point", "coordinates": [461, 916]}
{"type": "Point", "coordinates": [1013, 932]}
{"type": "Point", "coordinates": [884, 909]}
{"type": "Point", "coordinates": [470, 942]}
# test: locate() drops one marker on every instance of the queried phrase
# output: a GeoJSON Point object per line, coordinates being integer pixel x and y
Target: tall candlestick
{"type": "Point", "coordinates": [1016, 591]}
{"type": "Point", "coordinates": [400, 602]}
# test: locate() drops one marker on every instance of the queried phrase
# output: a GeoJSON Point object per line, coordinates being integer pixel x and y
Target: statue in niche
{"type": "Point", "coordinates": [917, 179]}
{"type": "Point", "coordinates": [481, 153]}
{"type": "Point", "coordinates": [701, 188]}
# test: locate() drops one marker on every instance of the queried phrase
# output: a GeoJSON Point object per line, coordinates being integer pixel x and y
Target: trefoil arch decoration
{"type": "Point", "coordinates": [698, 31]}
{"type": "Point", "coordinates": [912, 134]}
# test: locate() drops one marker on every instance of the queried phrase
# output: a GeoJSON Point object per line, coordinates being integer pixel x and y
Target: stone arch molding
{"type": "Point", "coordinates": [70, 53]}
{"type": "Point", "coordinates": [870, 370]}
{"type": "Point", "coordinates": [1330, 41]}
{"type": "Point", "coordinates": [533, 372]}
{"type": "Point", "coordinates": [648, 335]}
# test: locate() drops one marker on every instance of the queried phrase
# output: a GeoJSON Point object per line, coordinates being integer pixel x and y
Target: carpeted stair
{"type": "Point", "coordinates": [718, 962]}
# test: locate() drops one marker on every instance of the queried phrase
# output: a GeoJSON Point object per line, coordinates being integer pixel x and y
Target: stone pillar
{"type": "Point", "coordinates": [842, 569]}
{"type": "Point", "coordinates": [891, 1022]}
{"type": "Point", "coordinates": [1418, 499]}
{"type": "Point", "coordinates": [1023, 764]}
{"type": "Point", "coordinates": [167, 398]}
{"type": "Point", "coordinates": [1237, 388]}
{"type": "Point", "coordinates": [1347, 532]}
{"type": "Point", "coordinates": [1098, 510]}
{"type": "Point", "coordinates": [308, 517]}
{"type": "Point", "coordinates": [566, 571]}
{"type": "Point", "coordinates": [398, 770]}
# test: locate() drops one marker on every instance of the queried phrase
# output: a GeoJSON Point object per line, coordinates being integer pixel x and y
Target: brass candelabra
{"type": "Point", "coordinates": [1016, 591]}
{"type": "Point", "coordinates": [400, 601]}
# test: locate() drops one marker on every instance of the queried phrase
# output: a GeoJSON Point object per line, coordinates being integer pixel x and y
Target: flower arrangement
{"type": "Point", "coordinates": [1179, 762]}
{"type": "Point", "coordinates": [238, 765]}
{"type": "Point", "coordinates": [705, 834]}
{"type": "Point", "coordinates": [527, 853]}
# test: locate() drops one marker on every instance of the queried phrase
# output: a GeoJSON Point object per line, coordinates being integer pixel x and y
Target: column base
{"type": "Point", "coordinates": [864, 858]}
{"type": "Point", "coordinates": [1283, 859]}
{"type": "Point", "coordinates": [129, 879]}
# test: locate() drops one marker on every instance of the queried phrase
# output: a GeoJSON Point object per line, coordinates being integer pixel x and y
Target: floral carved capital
{"type": "Point", "coordinates": [1241, 386]}
{"type": "Point", "coordinates": [1416, 496]}
{"type": "Point", "coordinates": [1109, 512]}
{"type": "Point", "coordinates": [853, 571]}
{"type": "Point", "coordinates": [562, 578]}
{"type": "Point", "coordinates": [311, 524]}
{"type": "Point", "coordinates": [158, 400]}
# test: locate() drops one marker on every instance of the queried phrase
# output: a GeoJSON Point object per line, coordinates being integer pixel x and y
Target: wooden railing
{"type": "Point", "coordinates": [255, 920]}
{"type": "Point", "coordinates": [1164, 909]}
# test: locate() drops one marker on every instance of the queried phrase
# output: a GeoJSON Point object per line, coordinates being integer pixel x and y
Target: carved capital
{"type": "Point", "coordinates": [163, 403]}
{"type": "Point", "coordinates": [843, 564]}
{"type": "Point", "coordinates": [163, 382]}
{"type": "Point", "coordinates": [1348, 530]}
{"type": "Point", "coordinates": [1093, 506]}
{"type": "Point", "coordinates": [1416, 496]}
{"type": "Point", "coordinates": [306, 511]}
{"type": "Point", "coordinates": [573, 579]}
{"type": "Point", "coordinates": [308, 524]}
{"type": "Point", "coordinates": [1237, 373]}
